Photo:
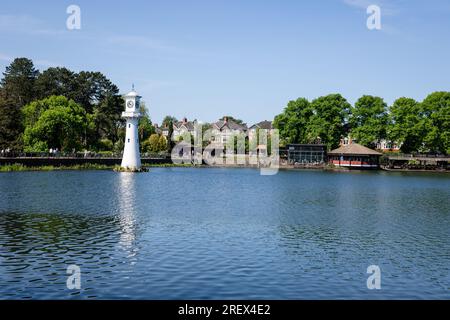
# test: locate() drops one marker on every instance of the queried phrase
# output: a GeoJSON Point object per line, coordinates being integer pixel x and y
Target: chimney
{"type": "Point", "coordinates": [225, 119]}
{"type": "Point", "coordinates": [184, 120]}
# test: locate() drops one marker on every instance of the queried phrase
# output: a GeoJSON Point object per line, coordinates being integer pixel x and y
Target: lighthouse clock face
{"type": "Point", "coordinates": [130, 104]}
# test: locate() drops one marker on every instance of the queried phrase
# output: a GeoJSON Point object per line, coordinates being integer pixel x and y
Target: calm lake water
{"type": "Point", "coordinates": [185, 233]}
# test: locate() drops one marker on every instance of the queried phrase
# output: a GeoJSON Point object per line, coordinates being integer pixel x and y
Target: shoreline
{"type": "Point", "coordinates": [83, 167]}
{"type": "Point", "coordinates": [90, 167]}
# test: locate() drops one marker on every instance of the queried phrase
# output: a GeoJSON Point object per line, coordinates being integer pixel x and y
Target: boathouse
{"type": "Point", "coordinates": [355, 156]}
{"type": "Point", "coordinates": [306, 153]}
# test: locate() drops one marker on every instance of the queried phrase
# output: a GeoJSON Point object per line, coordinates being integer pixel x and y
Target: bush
{"type": "Point", "coordinates": [118, 146]}
{"type": "Point", "coordinates": [105, 145]}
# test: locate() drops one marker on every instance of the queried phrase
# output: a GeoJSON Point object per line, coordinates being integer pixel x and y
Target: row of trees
{"type": "Point", "coordinates": [62, 109]}
{"type": "Point", "coordinates": [59, 108]}
{"type": "Point", "coordinates": [417, 126]}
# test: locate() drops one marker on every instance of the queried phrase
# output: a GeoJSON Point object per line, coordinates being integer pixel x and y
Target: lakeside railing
{"type": "Point", "coordinates": [412, 156]}
{"type": "Point", "coordinates": [77, 155]}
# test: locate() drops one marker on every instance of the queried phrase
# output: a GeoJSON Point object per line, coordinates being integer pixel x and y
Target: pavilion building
{"type": "Point", "coordinates": [354, 156]}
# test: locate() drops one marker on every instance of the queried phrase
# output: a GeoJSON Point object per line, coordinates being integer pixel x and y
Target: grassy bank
{"type": "Point", "coordinates": [21, 167]}
{"type": "Point", "coordinates": [88, 166]}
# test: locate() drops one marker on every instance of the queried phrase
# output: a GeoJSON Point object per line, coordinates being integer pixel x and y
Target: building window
{"type": "Point", "coordinates": [128, 140]}
{"type": "Point", "coordinates": [129, 125]}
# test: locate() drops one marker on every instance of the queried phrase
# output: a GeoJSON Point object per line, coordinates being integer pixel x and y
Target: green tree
{"type": "Point", "coordinates": [99, 97]}
{"type": "Point", "coordinates": [168, 122]}
{"type": "Point", "coordinates": [106, 145]}
{"type": "Point", "coordinates": [369, 120]}
{"type": "Point", "coordinates": [11, 128]}
{"type": "Point", "coordinates": [107, 119]}
{"type": "Point", "coordinates": [18, 81]}
{"type": "Point", "coordinates": [235, 120]}
{"type": "Point", "coordinates": [56, 82]}
{"type": "Point", "coordinates": [16, 90]}
{"type": "Point", "coordinates": [145, 128]}
{"type": "Point", "coordinates": [327, 122]}
{"type": "Point", "coordinates": [118, 146]}
{"type": "Point", "coordinates": [206, 134]}
{"type": "Point", "coordinates": [54, 122]}
{"type": "Point", "coordinates": [435, 110]}
{"type": "Point", "coordinates": [91, 88]}
{"type": "Point", "coordinates": [152, 144]}
{"type": "Point", "coordinates": [292, 122]}
{"type": "Point", "coordinates": [162, 143]}
{"type": "Point", "coordinates": [406, 126]}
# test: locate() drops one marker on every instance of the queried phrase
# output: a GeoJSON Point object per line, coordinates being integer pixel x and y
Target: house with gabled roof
{"type": "Point", "coordinates": [225, 128]}
{"type": "Point", "coordinates": [182, 127]}
{"type": "Point", "coordinates": [265, 125]}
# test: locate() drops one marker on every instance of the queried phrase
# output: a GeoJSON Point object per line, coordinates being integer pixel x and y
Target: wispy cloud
{"type": "Point", "coordinates": [145, 45]}
{"type": "Point", "coordinates": [26, 24]}
{"type": "Point", "coordinates": [46, 63]}
{"type": "Point", "coordinates": [37, 62]}
{"type": "Point", "coordinates": [387, 7]}
{"type": "Point", "coordinates": [17, 22]}
{"type": "Point", "coordinates": [156, 84]}
{"type": "Point", "coordinates": [139, 41]}
{"type": "Point", "coordinates": [4, 57]}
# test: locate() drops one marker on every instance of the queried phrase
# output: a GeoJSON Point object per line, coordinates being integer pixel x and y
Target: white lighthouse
{"type": "Point", "coordinates": [131, 160]}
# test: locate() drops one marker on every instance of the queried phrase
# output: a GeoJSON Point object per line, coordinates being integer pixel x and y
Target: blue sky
{"type": "Point", "coordinates": [246, 58]}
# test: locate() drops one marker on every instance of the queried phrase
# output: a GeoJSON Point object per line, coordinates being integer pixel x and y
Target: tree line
{"type": "Point", "coordinates": [69, 111]}
{"type": "Point", "coordinates": [415, 126]}
{"type": "Point", "coordinates": [62, 109]}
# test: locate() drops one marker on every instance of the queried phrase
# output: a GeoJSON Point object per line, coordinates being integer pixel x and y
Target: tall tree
{"type": "Point", "coordinates": [368, 120]}
{"type": "Point", "coordinates": [100, 98]}
{"type": "Point", "coordinates": [406, 126]}
{"type": "Point", "coordinates": [107, 118]}
{"type": "Point", "coordinates": [91, 88]}
{"type": "Point", "coordinates": [16, 90]}
{"type": "Point", "coordinates": [56, 82]}
{"type": "Point", "coordinates": [292, 122]}
{"type": "Point", "coordinates": [435, 110]}
{"type": "Point", "coordinates": [18, 81]}
{"type": "Point", "coordinates": [10, 124]}
{"type": "Point", "coordinates": [327, 122]}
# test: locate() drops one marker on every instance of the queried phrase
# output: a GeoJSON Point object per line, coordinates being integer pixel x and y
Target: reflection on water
{"type": "Point", "coordinates": [126, 207]}
{"type": "Point", "coordinates": [37, 248]}
{"type": "Point", "coordinates": [223, 234]}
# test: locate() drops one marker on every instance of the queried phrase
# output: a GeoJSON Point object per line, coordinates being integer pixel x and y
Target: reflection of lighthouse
{"type": "Point", "coordinates": [127, 212]}
{"type": "Point", "coordinates": [131, 159]}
